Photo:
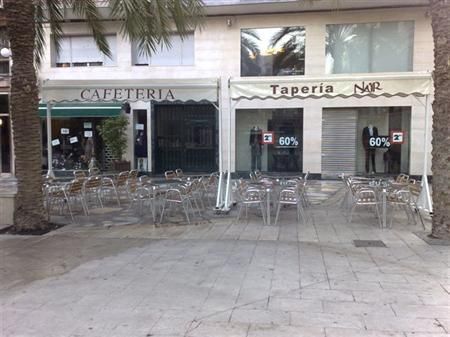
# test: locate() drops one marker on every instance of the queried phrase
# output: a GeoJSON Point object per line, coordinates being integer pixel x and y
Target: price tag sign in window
{"type": "Point", "coordinates": [268, 137]}
{"type": "Point", "coordinates": [288, 141]}
{"type": "Point", "coordinates": [379, 142]}
{"type": "Point", "coordinates": [397, 137]}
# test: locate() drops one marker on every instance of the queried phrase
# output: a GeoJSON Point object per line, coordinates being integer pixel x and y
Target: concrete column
{"type": "Point", "coordinates": [312, 139]}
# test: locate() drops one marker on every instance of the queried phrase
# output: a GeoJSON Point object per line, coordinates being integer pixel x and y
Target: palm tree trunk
{"type": "Point", "coordinates": [29, 211]}
{"type": "Point", "coordinates": [440, 21]}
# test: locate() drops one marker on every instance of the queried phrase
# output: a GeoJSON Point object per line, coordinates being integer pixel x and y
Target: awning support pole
{"type": "Point", "coordinates": [50, 173]}
{"type": "Point", "coordinates": [424, 200]}
{"type": "Point", "coordinates": [227, 204]}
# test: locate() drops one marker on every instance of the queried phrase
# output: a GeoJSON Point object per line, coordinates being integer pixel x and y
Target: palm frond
{"type": "Point", "coordinates": [151, 23]}
{"type": "Point", "coordinates": [87, 9]}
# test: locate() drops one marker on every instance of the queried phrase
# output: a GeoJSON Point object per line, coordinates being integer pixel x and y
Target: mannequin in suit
{"type": "Point", "coordinates": [369, 131]}
{"type": "Point", "coordinates": [255, 147]}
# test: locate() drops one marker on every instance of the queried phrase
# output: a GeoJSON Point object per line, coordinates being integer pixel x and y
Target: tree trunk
{"type": "Point", "coordinates": [440, 21]}
{"type": "Point", "coordinates": [29, 211]}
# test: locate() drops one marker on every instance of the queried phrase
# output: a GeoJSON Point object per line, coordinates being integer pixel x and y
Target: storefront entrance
{"type": "Point", "coordinates": [185, 136]}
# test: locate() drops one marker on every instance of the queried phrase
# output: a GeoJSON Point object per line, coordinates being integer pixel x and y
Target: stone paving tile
{"type": "Point", "coordinates": [274, 330]}
{"type": "Point", "coordinates": [218, 329]}
{"type": "Point", "coordinates": [323, 320]}
{"type": "Point", "coordinates": [405, 324]}
{"type": "Point", "coordinates": [260, 316]}
{"type": "Point", "coordinates": [340, 332]}
{"type": "Point", "coordinates": [295, 304]}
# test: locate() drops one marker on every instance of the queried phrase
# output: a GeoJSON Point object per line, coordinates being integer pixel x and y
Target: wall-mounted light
{"type": "Point", "coordinates": [229, 22]}
{"type": "Point", "coordinates": [1, 122]}
{"type": "Point", "coordinates": [5, 52]}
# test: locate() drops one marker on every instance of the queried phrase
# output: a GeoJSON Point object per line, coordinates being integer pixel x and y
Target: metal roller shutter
{"type": "Point", "coordinates": [338, 142]}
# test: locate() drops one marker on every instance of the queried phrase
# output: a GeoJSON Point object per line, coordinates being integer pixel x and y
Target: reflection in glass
{"type": "Point", "coordinates": [273, 51]}
{"type": "Point", "coordinates": [369, 47]}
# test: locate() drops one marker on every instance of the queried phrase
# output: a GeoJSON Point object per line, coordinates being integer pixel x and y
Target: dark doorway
{"type": "Point", "coordinates": [185, 136]}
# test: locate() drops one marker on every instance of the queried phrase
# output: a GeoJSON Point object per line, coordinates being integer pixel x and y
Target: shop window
{"type": "Point", "coordinates": [369, 47]}
{"type": "Point", "coordinates": [81, 51]}
{"type": "Point", "coordinates": [273, 51]}
{"type": "Point", "coordinates": [358, 140]}
{"type": "Point", "coordinates": [179, 53]}
{"type": "Point", "coordinates": [269, 140]}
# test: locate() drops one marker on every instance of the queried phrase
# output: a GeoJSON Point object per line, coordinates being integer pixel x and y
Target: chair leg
{"type": "Point", "coordinates": [239, 213]}
{"type": "Point", "coordinates": [162, 211]}
{"type": "Point", "coordinates": [263, 213]}
{"type": "Point", "coordinates": [378, 216]}
{"type": "Point", "coordinates": [351, 213]}
{"type": "Point", "coordinates": [186, 212]}
{"type": "Point", "coordinates": [277, 214]}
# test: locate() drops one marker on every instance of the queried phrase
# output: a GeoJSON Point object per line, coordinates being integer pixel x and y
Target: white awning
{"type": "Point", "coordinates": [290, 87]}
{"type": "Point", "coordinates": [129, 90]}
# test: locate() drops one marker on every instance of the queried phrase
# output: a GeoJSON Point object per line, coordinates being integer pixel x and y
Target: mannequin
{"type": "Point", "coordinates": [140, 145]}
{"type": "Point", "coordinates": [369, 131]}
{"type": "Point", "coordinates": [256, 147]}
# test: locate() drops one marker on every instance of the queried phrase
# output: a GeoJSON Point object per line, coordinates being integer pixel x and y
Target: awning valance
{"type": "Point", "coordinates": [82, 110]}
{"type": "Point", "coordinates": [416, 84]}
{"type": "Point", "coordinates": [129, 90]}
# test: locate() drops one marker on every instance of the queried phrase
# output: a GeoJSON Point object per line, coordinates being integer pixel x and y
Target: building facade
{"type": "Point", "coordinates": [199, 106]}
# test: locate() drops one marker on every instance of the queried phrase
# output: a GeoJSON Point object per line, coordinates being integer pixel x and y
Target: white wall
{"type": "Point", "coordinates": [217, 54]}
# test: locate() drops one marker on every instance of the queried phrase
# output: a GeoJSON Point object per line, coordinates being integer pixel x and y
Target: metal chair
{"type": "Point", "coordinates": [290, 196]}
{"type": "Point", "coordinates": [170, 175]}
{"type": "Point", "coordinates": [179, 173]}
{"type": "Point", "coordinates": [365, 197]}
{"type": "Point", "coordinates": [401, 198]}
{"type": "Point", "coordinates": [93, 187]}
{"type": "Point", "coordinates": [139, 195]}
{"type": "Point", "coordinates": [118, 185]}
{"type": "Point", "coordinates": [178, 197]}
{"type": "Point", "coordinates": [250, 196]}
{"type": "Point", "coordinates": [73, 192]}
{"type": "Point", "coordinates": [415, 189]}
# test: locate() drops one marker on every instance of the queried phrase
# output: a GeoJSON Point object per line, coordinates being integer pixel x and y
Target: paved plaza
{"type": "Point", "coordinates": [114, 274]}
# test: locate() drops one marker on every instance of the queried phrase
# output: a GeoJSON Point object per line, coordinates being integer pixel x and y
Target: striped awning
{"type": "Point", "coordinates": [342, 86]}
{"type": "Point", "coordinates": [62, 110]}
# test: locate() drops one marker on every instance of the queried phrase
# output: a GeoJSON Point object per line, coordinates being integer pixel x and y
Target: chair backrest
{"type": "Point", "coordinates": [132, 185]}
{"type": "Point", "coordinates": [170, 175]}
{"type": "Point", "coordinates": [402, 178]}
{"type": "Point", "coordinates": [94, 171]}
{"type": "Point", "coordinates": [75, 187]}
{"type": "Point", "coordinates": [122, 178]}
{"type": "Point", "coordinates": [133, 174]}
{"type": "Point", "coordinates": [253, 176]}
{"type": "Point", "coordinates": [94, 182]}
{"type": "Point", "coordinates": [144, 180]}
{"type": "Point", "coordinates": [79, 174]}
{"type": "Point", "coordinates": [179, 172]}
{"type": "Point", "coordinates": [289, 196]}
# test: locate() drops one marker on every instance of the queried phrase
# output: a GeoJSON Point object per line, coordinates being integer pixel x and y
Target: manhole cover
{"type": "Point", "coordinates": [369, 243]}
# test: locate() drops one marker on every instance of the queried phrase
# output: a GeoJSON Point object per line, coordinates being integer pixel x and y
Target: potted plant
{"type": "Point", "coordinates": [114, 134]}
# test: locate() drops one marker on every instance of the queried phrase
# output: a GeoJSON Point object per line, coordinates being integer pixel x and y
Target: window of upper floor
{"type": "Point", "coordinates": [81, 51]}
{"type": "Point", "coordinates": [4, 66]}
{"type": "Point", "coordinates": [180, 53]}
{"type": "Point", "coordinates": [273, 51]}
{"type": "Point", "coordinates": [4, 103]}
{"type": "Point", "coordinates": [369, 47]}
